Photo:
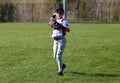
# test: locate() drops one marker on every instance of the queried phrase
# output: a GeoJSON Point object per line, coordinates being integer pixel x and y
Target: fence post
{"type": "Point", "coordinates": [65, 8]}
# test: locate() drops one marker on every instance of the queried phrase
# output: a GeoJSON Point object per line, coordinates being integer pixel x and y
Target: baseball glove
{"type": "Point", "coordinates": [56, 25]}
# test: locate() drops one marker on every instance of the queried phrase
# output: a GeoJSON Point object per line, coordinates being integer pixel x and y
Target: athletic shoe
{"type": "Point", "coordinates": [64, 66]}
{"type": "Point", "coordinates": [60, 74]}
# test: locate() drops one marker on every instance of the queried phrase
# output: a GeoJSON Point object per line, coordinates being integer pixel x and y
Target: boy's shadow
{"type": "Point", "coordinates": [95, 74]}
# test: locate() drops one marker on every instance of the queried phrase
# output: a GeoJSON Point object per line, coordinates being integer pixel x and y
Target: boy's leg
{"type": "Point", "coordinates": [55, 47]}
{"type": "Point", "coordinates": [60, 50]}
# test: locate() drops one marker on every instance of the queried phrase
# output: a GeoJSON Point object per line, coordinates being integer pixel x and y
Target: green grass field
{"type": "Point", "coordinates": [92, 54]}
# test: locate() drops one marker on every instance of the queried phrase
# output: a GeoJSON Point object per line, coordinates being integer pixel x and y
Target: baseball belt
{"type": "Point", "coordinates": [57, 38]}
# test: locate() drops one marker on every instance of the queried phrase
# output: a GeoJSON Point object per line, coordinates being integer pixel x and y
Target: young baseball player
{"type": "Point", "coordinates": [59, 26]}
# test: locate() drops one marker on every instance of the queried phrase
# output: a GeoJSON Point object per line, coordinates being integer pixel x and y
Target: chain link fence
{"type": "Point", "coordinates": [32, 12]}
{"type": "Point", "coordinates": [77, 12]}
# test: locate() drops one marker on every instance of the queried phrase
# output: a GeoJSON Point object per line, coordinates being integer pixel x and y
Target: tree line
{"type": "Point", "coordinates": [77, 10]}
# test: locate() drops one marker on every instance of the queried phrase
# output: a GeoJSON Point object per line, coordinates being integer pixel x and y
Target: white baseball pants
{"type": "Point", "coordinates": [58, 48]}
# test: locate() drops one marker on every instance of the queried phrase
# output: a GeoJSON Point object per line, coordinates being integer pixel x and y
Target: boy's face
{"type": "Point", "coordinates": [59, 16]}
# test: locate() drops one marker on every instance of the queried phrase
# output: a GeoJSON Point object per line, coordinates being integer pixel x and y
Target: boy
{"type": "Point", "coordinates": [59, 26]}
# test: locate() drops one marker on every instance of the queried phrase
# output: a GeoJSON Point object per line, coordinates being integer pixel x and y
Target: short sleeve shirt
{"type": "Point", "coordinates": [64, 23]}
